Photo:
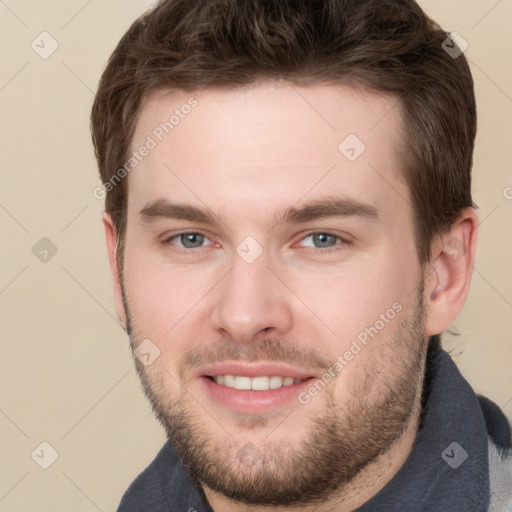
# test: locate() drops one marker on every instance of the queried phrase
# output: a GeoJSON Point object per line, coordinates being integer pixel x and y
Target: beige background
{"type": "Point", "coordinates": [66, 372]}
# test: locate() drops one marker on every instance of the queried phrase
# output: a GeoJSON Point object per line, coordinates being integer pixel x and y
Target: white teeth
{"type": "Point", "coordinates": [276, 382]}
{"type": "Point", "coordinates": [262, 383]}
{"type": "Point", "coordinates": [229, 381]}
{"type": "Point", "coordinates": [242, 383]}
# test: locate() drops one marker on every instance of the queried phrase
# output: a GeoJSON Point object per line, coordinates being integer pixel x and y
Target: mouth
{"type": "Point", "coordinates": [259, 383]}
{"type": "Point", "coordinates": [254, 388]}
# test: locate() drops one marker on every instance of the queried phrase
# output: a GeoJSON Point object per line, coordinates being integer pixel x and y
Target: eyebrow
{"type": "Point", "coordinates": [330, 206]}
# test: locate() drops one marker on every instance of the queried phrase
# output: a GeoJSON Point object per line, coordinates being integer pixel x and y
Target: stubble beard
{"type": "Point", "coordinates": [338, 442]}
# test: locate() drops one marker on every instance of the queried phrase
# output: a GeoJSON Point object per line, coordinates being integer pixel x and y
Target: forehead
{"type": "Point", "coordinates": [268, 145]}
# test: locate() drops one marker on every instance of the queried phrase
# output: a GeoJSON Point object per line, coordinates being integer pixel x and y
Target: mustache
{"type": "Point", "coordinates": [268, 349]}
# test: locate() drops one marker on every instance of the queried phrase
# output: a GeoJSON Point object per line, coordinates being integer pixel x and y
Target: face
{"type": "Point", "coordinates": [272, 287]}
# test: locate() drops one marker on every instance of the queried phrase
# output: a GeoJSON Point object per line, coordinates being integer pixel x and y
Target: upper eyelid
{"type": "Point", "coordinates": [335, 235]}
{"type": "Point", "coordinates": [176, 235]}
{"type": "Point", "coordinates": [344, 239]}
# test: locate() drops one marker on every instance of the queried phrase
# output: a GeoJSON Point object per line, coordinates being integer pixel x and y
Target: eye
{"type": "Point", "coordinates": [187, 240]}
{"type": "Point", "coordinates": [323, 242]}
{"type": "Point", "coordinates": [326, 242]}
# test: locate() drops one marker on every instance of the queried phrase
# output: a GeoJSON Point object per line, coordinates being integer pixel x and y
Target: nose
{"type": "Point", "coordinates": [251, 302]}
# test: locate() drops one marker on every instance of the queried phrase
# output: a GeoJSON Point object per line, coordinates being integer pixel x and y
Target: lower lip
{"type": "Point", "coordinates": [252, 401]}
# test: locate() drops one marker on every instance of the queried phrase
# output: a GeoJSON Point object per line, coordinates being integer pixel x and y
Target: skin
{"type": "Point", "coordinates": [247, 154]}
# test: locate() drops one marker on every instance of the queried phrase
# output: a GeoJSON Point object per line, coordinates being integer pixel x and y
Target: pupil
{"type": "Point", "coordinates": [191, 238]}
{"type": "Point", "coordinates": [323, 237]}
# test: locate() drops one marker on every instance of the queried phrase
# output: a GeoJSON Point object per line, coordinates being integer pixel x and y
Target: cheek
{"type": "Point", "coordinates": [162, 307]}
{"type": "Point", "coordinates": [351, 299]}
{"type": "Point", "coordinates": [163, 297]}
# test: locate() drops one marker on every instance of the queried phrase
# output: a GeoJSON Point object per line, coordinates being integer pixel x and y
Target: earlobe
{"type": "Point", "coordinates": [448, 285]}
{"type": "Point", "coordinates": [112, 248]}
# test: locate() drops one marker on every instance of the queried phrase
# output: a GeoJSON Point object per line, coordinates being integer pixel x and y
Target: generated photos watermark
{"type": "Point", "coordinates": [342, 361]}
{"type": "Point", "coordinates": [157, 135]}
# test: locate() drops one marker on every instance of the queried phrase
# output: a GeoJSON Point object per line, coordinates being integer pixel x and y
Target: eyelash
{"type": "Point", "coordinates": [317, 250]}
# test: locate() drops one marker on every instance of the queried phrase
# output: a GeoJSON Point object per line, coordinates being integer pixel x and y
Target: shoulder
{"type": "Point", "coordinates": [500, 477]}
{"type": "Point", "coordinates": [498, 426]}
{"type": "Point", "coordinates": [499, 430]}
{"type": "Point", "coordinates": [146, 492]}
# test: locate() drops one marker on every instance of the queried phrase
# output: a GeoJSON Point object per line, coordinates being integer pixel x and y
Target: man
{"type": "Point", "coordinates": [290, 228]}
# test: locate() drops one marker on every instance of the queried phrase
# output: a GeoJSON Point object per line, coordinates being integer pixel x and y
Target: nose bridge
{"type": "Point", "coordinates": [251, 299]}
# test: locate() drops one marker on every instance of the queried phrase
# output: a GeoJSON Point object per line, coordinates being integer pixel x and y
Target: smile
{"type": "Point", "coordinates": [261, 383]}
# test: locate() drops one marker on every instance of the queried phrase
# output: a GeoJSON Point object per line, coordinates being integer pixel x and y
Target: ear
{"type": "Point", "coordinates": [111, 239]}
{"type": "Point", "coordinates": [447, 285]}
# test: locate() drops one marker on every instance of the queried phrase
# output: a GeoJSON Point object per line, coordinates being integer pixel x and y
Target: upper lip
{"type": "Point", "coordinates": [253, 370]}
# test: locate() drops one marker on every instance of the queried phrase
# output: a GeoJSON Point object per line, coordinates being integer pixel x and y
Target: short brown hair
{"type": "Point", "coordinates": [384, 45]}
